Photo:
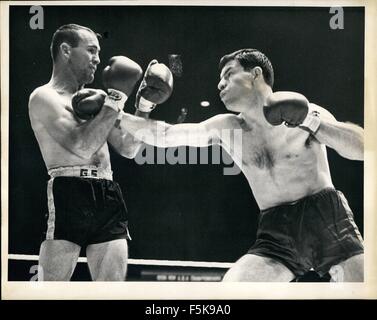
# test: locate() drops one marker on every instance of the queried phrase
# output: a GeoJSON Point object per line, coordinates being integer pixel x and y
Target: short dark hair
{"type": "Point", "coordinates": [68, 33]}
{"type": "Point", "coordinates": [249, 59]}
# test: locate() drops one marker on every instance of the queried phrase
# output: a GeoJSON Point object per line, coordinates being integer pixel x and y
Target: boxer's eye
{"type": "Point", "coordinates": [93, 50]}
{"type": "Point", "coordinates": [228, 74]}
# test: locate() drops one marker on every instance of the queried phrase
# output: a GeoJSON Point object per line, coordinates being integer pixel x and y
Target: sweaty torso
{"type": "Point", "coordinates": [281, 164]}
{"type": "Point", "coordinates": [54, 154]}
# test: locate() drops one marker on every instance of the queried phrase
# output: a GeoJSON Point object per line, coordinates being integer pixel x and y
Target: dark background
{"type": "Point", "coordinates": [186, 212]}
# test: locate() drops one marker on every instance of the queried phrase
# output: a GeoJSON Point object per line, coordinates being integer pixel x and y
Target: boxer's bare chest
{"type": "Point", "coordinates": [99, 158]}
{"type": "Point", "coordinates": [281, 164]}
{"type": "Point", "coordinates": [268, 148]}
{"type": "Point", "coordinates": [65, 100]}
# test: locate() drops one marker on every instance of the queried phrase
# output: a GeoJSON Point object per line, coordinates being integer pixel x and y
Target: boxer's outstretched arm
{"type": "Point", "coordinates": [161, 134]}
{"type": "Point", "coordinates": [80, 138]}
{"type": "Point", "coordinates": [345, 138]}
{"type": "Point", "coordinates": [125, 143]}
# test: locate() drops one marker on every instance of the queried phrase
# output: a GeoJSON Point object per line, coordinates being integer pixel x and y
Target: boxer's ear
{"type": "Point", "coordinates": [256, 72]}
{"type": "Point", "coordinates": [65, 49]}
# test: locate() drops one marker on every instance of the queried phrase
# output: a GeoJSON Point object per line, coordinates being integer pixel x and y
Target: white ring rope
{"type": "Point", "coordinates": [147, 262]}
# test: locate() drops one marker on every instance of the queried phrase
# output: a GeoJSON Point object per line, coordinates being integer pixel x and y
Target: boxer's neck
{"type": "Point", "coordinates": [63, 79]}
{"type": "Point", "coordinates": [254, 112]}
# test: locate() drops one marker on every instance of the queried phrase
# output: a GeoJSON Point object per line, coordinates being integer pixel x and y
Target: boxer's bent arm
{"type": "Point", "coordinates": [125, 143]}
{"type": "Point", "coordinates": [82, 139]}
{"type": "Point", "coordinates": [345, 138]}
{"type": "Point", "coordinates": [161, 134]}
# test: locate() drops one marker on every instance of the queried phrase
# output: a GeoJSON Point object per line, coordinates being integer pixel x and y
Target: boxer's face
{"type": "Point", "coordinates": [84, 58]}
{"type": "Point", "coordinates": [236, 89]}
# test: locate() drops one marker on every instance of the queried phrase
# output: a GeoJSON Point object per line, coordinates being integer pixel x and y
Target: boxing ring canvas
{"type": "Point", "coordinates": [188, 221]}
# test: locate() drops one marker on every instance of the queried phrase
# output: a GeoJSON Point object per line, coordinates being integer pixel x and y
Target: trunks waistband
{"type": "Point", "coordinates": [92, 172]}
{"type": "Point", "coordinates": [310, 196]}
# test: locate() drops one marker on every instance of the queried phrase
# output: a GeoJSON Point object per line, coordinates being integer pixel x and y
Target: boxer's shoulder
{"type": "Point", "coordinates": [224, 121]}
{"type": "Point", "coordinates": [42, 94]}
{"type": "Point", "coordinates": [45, 89]}
{"type": "Point", "coordinates": [45, 101]}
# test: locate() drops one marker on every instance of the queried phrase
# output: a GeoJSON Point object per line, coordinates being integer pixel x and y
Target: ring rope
{"type": "Point", "coordinates": [148, 262]}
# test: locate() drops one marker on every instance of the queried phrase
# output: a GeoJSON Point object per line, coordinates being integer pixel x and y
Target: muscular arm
{"type": "Point", "coordinates": [80, 138]}
{"type": "Point", "coordinates": [125, 143]}
{"type": "Point", "coordinates": [345, 138]}
{"type": "Point", "coordinates": [161, 134]}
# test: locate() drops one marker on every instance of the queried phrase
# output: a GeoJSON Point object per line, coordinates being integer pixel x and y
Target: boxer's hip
{"type": "Point", "coordinates": [85, 206]}
{"type": "Point", "coordinates": [317, 232]}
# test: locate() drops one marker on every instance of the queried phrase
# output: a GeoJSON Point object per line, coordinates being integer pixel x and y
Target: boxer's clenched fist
{"type": "Point", "coordinates": [291, 108]}
{"type": "Point", "coordinates": [156, 87]}
{"type": "Point", "coordinates": [86, 103]}
{"type": "Point", "coordinates": [119, 78]}
{"type": "Point", "coordinates": [121, 74]}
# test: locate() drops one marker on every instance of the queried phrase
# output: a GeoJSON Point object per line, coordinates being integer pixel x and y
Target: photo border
{"type": "Point", "coordinates": [188, 290]}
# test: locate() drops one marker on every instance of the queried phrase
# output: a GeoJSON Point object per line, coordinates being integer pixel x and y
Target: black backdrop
{"type": "Point", "coordinates": [186, 212]}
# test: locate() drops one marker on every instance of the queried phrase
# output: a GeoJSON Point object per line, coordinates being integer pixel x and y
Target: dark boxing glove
{"type": "Point", "coordinates": [121, 74]}
{"type": "Point", "coordinates": [292, 109]}
{"type": "Point", "coordinates": [86, 103]}
{"type": "Point", "coordinates": [156, 87]}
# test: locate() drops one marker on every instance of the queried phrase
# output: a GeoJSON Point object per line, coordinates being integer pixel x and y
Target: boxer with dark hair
{"type": "Point", "coordinates": [70, 34]}
{"type": "Point", "coordinates": [73, 127]}
{"type": "Point", "coordinates": [304, 221]}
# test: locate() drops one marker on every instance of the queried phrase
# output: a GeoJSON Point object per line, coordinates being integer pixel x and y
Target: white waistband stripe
{"type": "Point", "coordinates": [82, 172]}
{"type": "Point", "coordinates": [51, 211]}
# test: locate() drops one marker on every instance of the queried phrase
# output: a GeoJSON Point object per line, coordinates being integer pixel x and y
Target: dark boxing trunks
{"type": "Point", "coordinates": [316, 232]}
{"type": "Point", "coordinates": [85, 208]}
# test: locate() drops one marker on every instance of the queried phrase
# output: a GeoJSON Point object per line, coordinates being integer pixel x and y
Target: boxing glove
{"type": "Point", "coordinates": [86, 103]}
{"type": "Point", "coordinates": [156, 87]}
{"type": "Point", "coordinates": [121, 74]}
{"type": "Point", "coordinates": [119, 78]}
{"type": "Point", "coordinates": [292, 109]}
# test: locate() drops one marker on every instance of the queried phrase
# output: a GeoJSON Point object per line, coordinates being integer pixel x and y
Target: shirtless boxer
{"type": "Point", "coordinates": [304, 222]}
{"type": "Point", "coordinates": [86, 207]}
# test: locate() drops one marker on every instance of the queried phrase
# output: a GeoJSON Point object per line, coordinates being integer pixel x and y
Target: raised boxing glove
{"type": "Point", "coordinates": [121, 74]}
{"type": "Point", "coordinates": [156, 87]}
{"type": "Point", "coordinates": [292, 109]}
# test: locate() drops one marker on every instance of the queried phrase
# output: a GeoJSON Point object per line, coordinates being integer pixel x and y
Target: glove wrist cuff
{"type": "Point", "coordinates": [145, 105]}
{"type": "Point", "coordinates": [115, 99]}
{"type": "Point", "coordinates": [311, 123]}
